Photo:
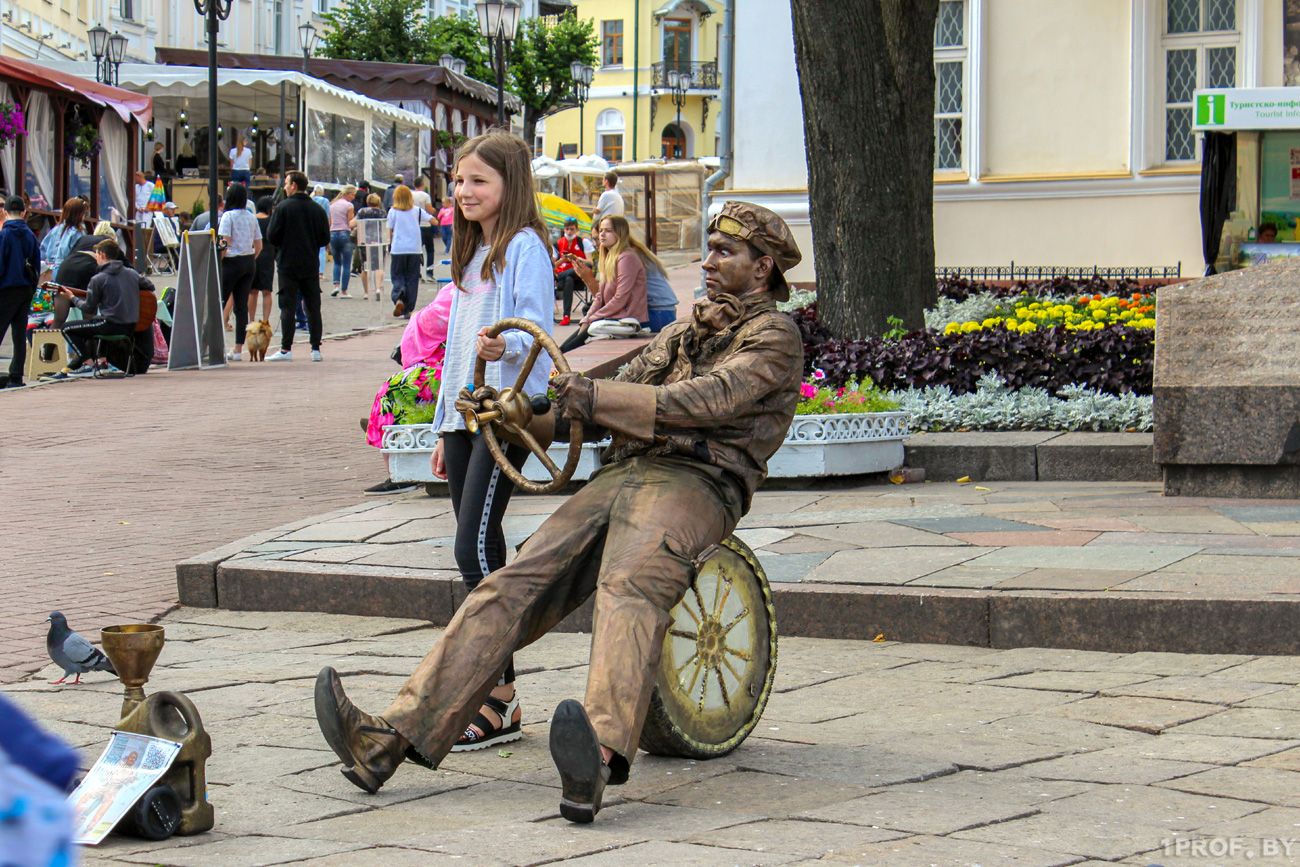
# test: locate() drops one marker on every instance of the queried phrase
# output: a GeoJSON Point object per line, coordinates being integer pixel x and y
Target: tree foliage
{"type": "Point", "coordinates": [539, 63]}
{"type": "Point", "coordinates": [397, 31]}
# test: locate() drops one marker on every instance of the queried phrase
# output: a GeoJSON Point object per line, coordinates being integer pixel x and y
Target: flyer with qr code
{"type": "Point", "coordinates": [129, 767]}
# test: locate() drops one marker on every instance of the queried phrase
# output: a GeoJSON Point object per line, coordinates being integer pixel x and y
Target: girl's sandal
{"type": "Point", "coordinates": [508, 715]}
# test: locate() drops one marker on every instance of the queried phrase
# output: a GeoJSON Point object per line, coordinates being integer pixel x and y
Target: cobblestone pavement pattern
{"type": "Point", "coordinates": [869, 753]}
{"type": "Point", "coordinates": [109, 482]}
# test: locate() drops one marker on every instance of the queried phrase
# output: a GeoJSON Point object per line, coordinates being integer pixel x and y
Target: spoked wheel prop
{"type": "Point", "coordinates": [718, 661]}
{"type": "Point", "coordinates": [511, 413]}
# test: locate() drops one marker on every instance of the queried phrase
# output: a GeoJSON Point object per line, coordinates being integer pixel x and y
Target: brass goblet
{"type": "Point", "coordinates": [133, 649]}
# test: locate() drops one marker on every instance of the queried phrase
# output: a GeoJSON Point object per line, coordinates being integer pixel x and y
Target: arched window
{"type": "Point", "coordinates": [609, 134]}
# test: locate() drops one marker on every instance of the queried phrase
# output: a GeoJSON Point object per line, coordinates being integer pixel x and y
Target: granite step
{"type": "Point", "coordinates": [1045, 456]}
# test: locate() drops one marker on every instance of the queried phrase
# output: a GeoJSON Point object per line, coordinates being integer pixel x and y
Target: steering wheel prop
{"type": "Point", "coordinates": [514, 415]}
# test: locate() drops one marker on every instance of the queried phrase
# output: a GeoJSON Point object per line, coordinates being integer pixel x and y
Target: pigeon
{"type": "Point", "coordinates": [72, 652]}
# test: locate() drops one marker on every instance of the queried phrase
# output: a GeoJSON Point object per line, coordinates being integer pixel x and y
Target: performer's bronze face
{"type": "Point", "coordinates": [731, 268]}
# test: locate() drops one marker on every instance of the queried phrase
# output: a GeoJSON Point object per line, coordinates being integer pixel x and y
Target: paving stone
{"type": "Point", "coordinates": [1219, 543]}
{"type": "Point", "coordinates": [389, 856]}
{"type": "Point", "coordinates": [1042, 537]}
{"type": "Point", "coordinates": [800, 544]}
{"type": "Point", "coordinates": [411, 555]}
{"type": "Point", "coordinates": [408, 784]}
{"type": "Point", "coordinates": [618, 826]}
{"type": "Point", "coordinates": [1141, 714]}
{"type": "Point", "coordinates": [678, 855]}
{"type": "Point", "coordinates": [1067, 579]}
{"type": "Point", "coordinates": [783, 796]}
{"type": "Point", "coordinates": [419, 823]}
{"type": "Point", "coordinates": [925, 851]}
{"type": "Point", "coordinates": [805, 839]}
{"type": "Point", "coordinates": [1113, 822]}
{"type": "Point", "coordinates": [1009, 506]}
{"type": "Point", "coordinates": [1212, 585]}
{"type": "Point", "coordinates": [1194, 849]}
{"type": "Point", "coordinates": [418, 530]}
{"type": "Point", "coordinates": [244, 852]}
{"type": "Point", "coordinates": [1269, 669]}
{"type": "Point", "coordinates": [962, 672]}
{"type": "Point", "coordinates": [1112, 766]}
{"type": "Point", "coordinates": [879, 534]}
{"type": "Point", "coordinates": [1174, 746]}
{"type": "Point", "coordinates": [1134, 558]}
{"type": "Point", "coordinates": [1073, 681]}
{"type": "Point", "coordinates": [953, 803]}
{"type": "Point", "coordinates": [967, 524]}
{"type": "Point", "coordinates": [1286, 760]}
{"type": "Point", "coordinates": [1183, 524]}
{"type": "Point", "coordinates": [1227, 564]}
{"type": "Point", "coordinates": [858, 767]}
{"type": "Point", "coordinates": [761, 536]}
{"type": "Point", "coordinates": [1099, 523]}
{"type": "Point", "coordinates": [1172, 664]}
{"type": "Point", "coordinates": [1215, 690]}
{"type": "Point", "coordinates": [970, 574]}
{"type": "Point", "coordinates": [1247, 722]}
{"type": "Point", "coordinates": [811, 518]}
{"type": "Point", "coordinates": [1277, 822]}
{"type": "Point", "coordinates": [902, 565]}
{"type": "Point", "coordinates": [1274, 528]}
{"type": "Point", "coordinates": [342, 531]}
{"type": "Point", "coordinates": [1260, 513]}
{"type": "Point", "coordinates": [1275, 786]}
{"type": "Point", "coordinates": [336, 553]}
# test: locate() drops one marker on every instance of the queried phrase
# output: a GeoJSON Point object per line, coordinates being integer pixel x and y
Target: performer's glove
{"type": "Point", "coordinates": [576, 395]}
{"type": "Point", "coordinates": [471, 400]}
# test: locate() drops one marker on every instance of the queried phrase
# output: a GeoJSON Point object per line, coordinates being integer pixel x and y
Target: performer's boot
{"type": "Point", "coordinates": [576, 752]}
{"type": "Point", "coordinates": [368, 746]}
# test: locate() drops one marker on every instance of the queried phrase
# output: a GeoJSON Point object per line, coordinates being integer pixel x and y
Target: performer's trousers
{"type": "Point", "coordinates": [631, 536]}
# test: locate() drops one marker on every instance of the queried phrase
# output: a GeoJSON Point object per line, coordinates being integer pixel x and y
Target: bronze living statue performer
{"type": "Point", "coordinates": [694, 419]}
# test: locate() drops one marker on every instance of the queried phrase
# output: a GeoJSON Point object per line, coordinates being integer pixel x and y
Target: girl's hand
{"type": "Point", "coordinates": [437, 463]}
{"type": "Point", "coordinates": [490, 348]}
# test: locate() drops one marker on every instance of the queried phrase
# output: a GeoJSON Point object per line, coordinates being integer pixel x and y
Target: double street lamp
{"type": "Point", "coordinates": [679, 82]}
{"type": "Point", "coordinates": [455, 64]}
{"type": "Point", "coordinates": [498, 20]}
{"type": "Point", "coordinates": [307, 38]}
{"type": "Point", "coordinates": [581, 73]}
{"type": "Point", "coordinates": [109, 50]}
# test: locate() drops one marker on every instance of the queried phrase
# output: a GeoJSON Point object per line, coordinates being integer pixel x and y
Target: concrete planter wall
{"type": "Point", "coordinates": [815, 446]}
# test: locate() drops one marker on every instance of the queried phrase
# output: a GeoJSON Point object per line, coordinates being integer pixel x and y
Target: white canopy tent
{"type": "Point", "coordinates": [349, 136]}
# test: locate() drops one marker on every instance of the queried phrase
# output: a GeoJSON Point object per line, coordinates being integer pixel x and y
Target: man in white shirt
{"type": "Point", "coordinates": [143, 190]}
{"type": "Point", "coordinates": [610, 203]}
{"type": "Point", "coordinates": [424, 202]}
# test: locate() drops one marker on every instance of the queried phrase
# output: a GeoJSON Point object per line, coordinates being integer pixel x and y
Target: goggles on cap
{"type": "Point", "coordinates": [733, 227]}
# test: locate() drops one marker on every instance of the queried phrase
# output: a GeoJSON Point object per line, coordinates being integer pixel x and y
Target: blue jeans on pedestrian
{"type": "Point", "coordinates": [341, 249]}
{"type": "Point", "coordinates": [661, 316]}
{"type": "Point", "coordinates": [446, 238]}
{"type": "Point", "coordinates": [241, 176]}
{"type": "Point", "coordinates": [406, 279]}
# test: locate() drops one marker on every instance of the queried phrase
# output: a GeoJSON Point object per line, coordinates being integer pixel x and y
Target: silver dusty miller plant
{"type": "Point", "coordinates": [993, 406]}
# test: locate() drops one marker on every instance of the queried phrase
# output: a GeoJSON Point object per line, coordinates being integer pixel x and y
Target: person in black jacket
{"type": "Point", "coordinates": [299, 228]}
{"type": "Point", "coordinates": [20, 268]}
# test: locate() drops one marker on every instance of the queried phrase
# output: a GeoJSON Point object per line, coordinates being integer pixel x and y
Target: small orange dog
{"type": "Point", "coordinates": [258, 339]}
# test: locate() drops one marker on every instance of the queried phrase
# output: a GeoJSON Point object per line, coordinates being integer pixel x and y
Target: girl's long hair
{"type": "Point", "coordinates": [74, 213]}
{"type": "Point", "coordinates": [239, 145]}
{"type": "Point", "coordinates": [623, 241]}
{"type": "Point", "coordinates": [346, 191]}
{"type": "Point", "coordinates": [403, 200]}
{"type": "Point", "coordinates": [508, 156]}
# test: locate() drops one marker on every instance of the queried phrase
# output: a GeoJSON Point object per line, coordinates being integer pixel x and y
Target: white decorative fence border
{"type": "Point", "coordinates": [815, 446]}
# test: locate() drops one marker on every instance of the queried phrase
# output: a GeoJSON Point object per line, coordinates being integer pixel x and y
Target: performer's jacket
{"type": "Point", "coordinates": [719, 386]}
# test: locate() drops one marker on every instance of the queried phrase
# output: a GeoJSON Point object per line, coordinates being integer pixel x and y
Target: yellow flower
{"type": "Point", "coordinates": [1026, 327]}
{"type": "Point", "coordinates": [1012, 323]}
{"type": "Point", "coordinates": [1099, 314]}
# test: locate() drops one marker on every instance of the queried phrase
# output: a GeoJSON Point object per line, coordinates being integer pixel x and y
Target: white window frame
{"type": "Point", "coordinates": [967, 55]}
{"type": "Point", "coordinates": [610, 121]}
{"type": "Point", "coordinates": [1197, 41]}
{"type": "Point", "coordinates": [1147, 147]}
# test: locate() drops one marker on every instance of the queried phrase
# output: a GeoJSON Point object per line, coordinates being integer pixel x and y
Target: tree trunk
{"type": "Point", "coordinates": [866, 73]}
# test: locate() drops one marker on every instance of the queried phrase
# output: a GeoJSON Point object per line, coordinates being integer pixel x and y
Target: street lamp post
{"type": "Point", "coordinates": [98, 49]}
{"type": "Point", "coordinates": [116, 54]}
{"type": "Point", "coordinates": [215, 11]}
{"type": "Point", "coordinates": [497, 22]}
{"type": "Point", "coordinates": [678, 82]}
{"type": "Point", "coordinates": [307, 38]}
{"type": "Point", "coordinates": [581, 74]}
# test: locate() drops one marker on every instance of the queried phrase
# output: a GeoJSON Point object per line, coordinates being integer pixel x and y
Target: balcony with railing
{"type": "Point", "coordinates": [703, 75]}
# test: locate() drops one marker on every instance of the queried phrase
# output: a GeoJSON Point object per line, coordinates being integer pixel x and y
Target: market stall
{"type": "Point", "coordinates": [75, 137]}
{"type": "Point", "coordinates": [1250, 176]}
{"type": "Point", "coordinates": [348, 137]}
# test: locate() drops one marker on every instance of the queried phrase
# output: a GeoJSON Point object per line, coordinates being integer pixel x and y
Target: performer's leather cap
{"type": "Point", "coordinates": [766, 231]}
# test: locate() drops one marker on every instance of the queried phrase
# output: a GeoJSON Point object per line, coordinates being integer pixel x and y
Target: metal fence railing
{"type": "Point", "coordinates": [1048, 272]}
